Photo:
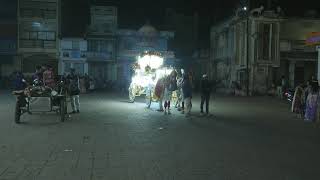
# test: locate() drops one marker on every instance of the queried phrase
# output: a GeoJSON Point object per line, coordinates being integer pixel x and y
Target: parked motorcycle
{"type": "Point", "coordinates": [288, 94]}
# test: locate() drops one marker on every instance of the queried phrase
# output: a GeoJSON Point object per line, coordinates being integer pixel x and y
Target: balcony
{"type": "Point", "coordinates": [134, 53]}
{"type": "Point", "coordinates": [100, 56]}
{"type": "Point", "coordinates": [8, 46]}
{"type": "Point", "coordinates": [74, 55]}
{"type": "Point", "coordinates": [299, 56]}
{"type": "Point", "coordinates": [38, 13]}
{"type": "Point", "coordinates": [43, 44]}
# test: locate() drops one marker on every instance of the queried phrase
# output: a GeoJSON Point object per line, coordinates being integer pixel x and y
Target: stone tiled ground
{"type": "Point", "coordinates": [247, 138]}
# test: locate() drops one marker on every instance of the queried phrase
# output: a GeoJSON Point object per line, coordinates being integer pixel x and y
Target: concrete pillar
{"type": "Point", "coordinates": [292, 67]}
{"type": "Point", "coordinates": [86, 68]}
{"type": "Point", "coordinates": [60, 67]}
{"type": "Point", "coordinates": [318, 76]}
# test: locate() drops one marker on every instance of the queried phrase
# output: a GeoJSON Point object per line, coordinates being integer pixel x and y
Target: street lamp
{"type": "Point", "coordinates": [247, 9]}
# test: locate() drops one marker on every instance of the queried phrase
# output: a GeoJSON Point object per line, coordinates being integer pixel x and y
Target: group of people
{"type": "Point", "coordinates": [181, 83]}
{"type": "Point", "coordinates": [306, 101]}
{"type": "Point", "coordinates": [45, 76]}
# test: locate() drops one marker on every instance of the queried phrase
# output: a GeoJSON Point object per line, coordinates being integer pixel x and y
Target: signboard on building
{"type": "Point", "coordinates": [313, 39]}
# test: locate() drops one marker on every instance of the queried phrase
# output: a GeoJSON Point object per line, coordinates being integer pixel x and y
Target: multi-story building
{"type": "Point", "coordinates": [101, 37]}
{"type": "Point", "coordinates": [38, 33]}
{"type": "Point", "coordinates": [131, 43]}
{"type": "Point", "coordinates": [234, 53]}
{"type": "Point", "coordinates": [275, 50]}
{"type": "Point", "coordinates": [298, 61]}
{"type": "Point", "coordinates": [73, 54]}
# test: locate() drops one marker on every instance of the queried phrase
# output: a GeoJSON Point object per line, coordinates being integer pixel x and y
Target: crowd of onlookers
{"type": "Point", "coordinates": [181, 85]}
{"type": "Point", "coordinates": [305, 102]}
{"type": "Point", "coordinates": [304, 99]}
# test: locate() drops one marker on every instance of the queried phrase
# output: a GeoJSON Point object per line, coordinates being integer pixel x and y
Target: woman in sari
{"type": "Point", "coordinates": [312, 103]}
{"type": "Point", "coordinates": [298, 101]}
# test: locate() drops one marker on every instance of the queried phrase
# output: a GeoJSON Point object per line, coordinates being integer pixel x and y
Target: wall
{"type": "Point", "coordinates": [301, 27]}
{"type": "Point", "coordinates": [295, 54]}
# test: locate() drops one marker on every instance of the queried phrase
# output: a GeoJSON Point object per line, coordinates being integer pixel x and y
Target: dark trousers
{"type": "Point", "coordinates": [205, 98]}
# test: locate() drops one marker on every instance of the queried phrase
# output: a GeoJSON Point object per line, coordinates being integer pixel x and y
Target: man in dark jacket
{"type": "Point", "coordinates": [74, 90]}
{"type": "Point", "coordinates": [205, 93]}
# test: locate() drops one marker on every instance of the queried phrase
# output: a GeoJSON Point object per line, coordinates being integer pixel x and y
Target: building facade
{"type": "Point", "coordinates": [298, 61]}
{"type": "Point", "coordinates": [73, 54]}
{"type": "Point", "coordinates": [101, 40]}
{"type": "Point", "coordinates": [8, 48]}
{"type": "Point", "coordinates": [246, 44]}
{"type": "Point", "coordinates": [131, 43]}
{"type": "Point", "coordinates": [38, 33]}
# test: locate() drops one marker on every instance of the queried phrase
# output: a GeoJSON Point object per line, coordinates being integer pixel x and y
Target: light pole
{"type": "Point", "coordinates": [247, 9]}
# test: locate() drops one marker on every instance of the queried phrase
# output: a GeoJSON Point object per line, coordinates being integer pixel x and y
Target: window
{"type": "Point", "coordinates": [24, 35]}
{"type": "Point", "coordinates": [51, 36]}
{"type": "Point", "coordinates": [65, 54]}
{"type": "Point", "coordinates": [93, 46]}
{"type": "Point", "coordinates": [75, 45]}
{"type": "Point", "coordinates": [42, 35]}
{"type": "Point", "coordinates": [67, 67]}
{"type": "Point", "coordinates": [33, 35]}
{"type": "Point", "coordinates": [267, 41]}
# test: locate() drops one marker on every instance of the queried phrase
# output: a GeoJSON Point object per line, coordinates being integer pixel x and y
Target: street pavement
{"type": "Point", "coordinates": [254, 138]}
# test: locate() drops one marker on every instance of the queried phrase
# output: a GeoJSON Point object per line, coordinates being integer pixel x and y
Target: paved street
{"type": "Point", "coordinates": [246, 139]}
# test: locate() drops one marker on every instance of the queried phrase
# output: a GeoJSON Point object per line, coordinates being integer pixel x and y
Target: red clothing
{"type": "Point", "coordinates": [48, 79]}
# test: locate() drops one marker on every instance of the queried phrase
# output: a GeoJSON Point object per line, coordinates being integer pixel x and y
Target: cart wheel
{"type": "Point", "coordinates": [17, 113]}
{"type": "Point", "coordinates": [62, 109]}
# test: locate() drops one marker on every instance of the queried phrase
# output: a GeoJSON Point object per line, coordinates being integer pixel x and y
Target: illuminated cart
{"type": "Point", "coordinates": [148, 70]}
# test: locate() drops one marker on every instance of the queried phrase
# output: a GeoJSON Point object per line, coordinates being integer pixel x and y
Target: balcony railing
{"type": "Point", "coordinates": [38, 13]}
{"type": "Point", "coordinates": [104, 56]}
{"type": "Point", "coordinates": [74, 54]}
{"type": "Point", "coordinates": [133, 53]}
{"type": "Point", "coordinates": [37, 44]}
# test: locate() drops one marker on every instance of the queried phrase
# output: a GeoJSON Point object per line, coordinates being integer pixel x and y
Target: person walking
{"type": "Point", "coordinates": [298, 101]}
{"type": "Point", "coordinates": [187, 94]}
{"type": "Point", "coordinates": [179, 103]}
{"type": "Point", "coordinates": [74, 90]}
{"type": "Point", "coordinates": [312, 103]}
{"type": "Point", "coordinates": [170, 86]}
{"type": "Point", "coordinates": [205, 88]}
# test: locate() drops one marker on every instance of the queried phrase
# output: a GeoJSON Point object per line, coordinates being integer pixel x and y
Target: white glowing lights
{"type": "Point", "coordinates": [144, 79]}
{"type": "Point", "coordinates": [153, 61]}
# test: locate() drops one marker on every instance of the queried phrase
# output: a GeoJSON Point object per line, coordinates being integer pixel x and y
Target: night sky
{"type": "Point", "coordinates": [134, 13]}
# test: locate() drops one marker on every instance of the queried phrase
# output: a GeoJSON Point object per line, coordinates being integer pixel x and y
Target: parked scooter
{"type": "Point", "coordinates": [288, 94]}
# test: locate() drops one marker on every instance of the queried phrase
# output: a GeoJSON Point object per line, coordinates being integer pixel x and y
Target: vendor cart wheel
{"type": "Point", "coordinates": [62, 109]}
{"type": "Point", "coordinates": [17, 113]}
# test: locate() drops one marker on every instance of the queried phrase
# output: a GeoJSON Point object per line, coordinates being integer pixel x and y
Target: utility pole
{"type": "Point", "coordinates": [248, 40]}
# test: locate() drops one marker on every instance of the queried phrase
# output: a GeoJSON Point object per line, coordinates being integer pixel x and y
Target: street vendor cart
{"type": "Point", "coordinates": [41, 99]}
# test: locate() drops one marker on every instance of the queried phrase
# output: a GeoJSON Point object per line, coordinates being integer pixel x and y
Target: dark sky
{"type": "Point", "coordinates": [134, 13]}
